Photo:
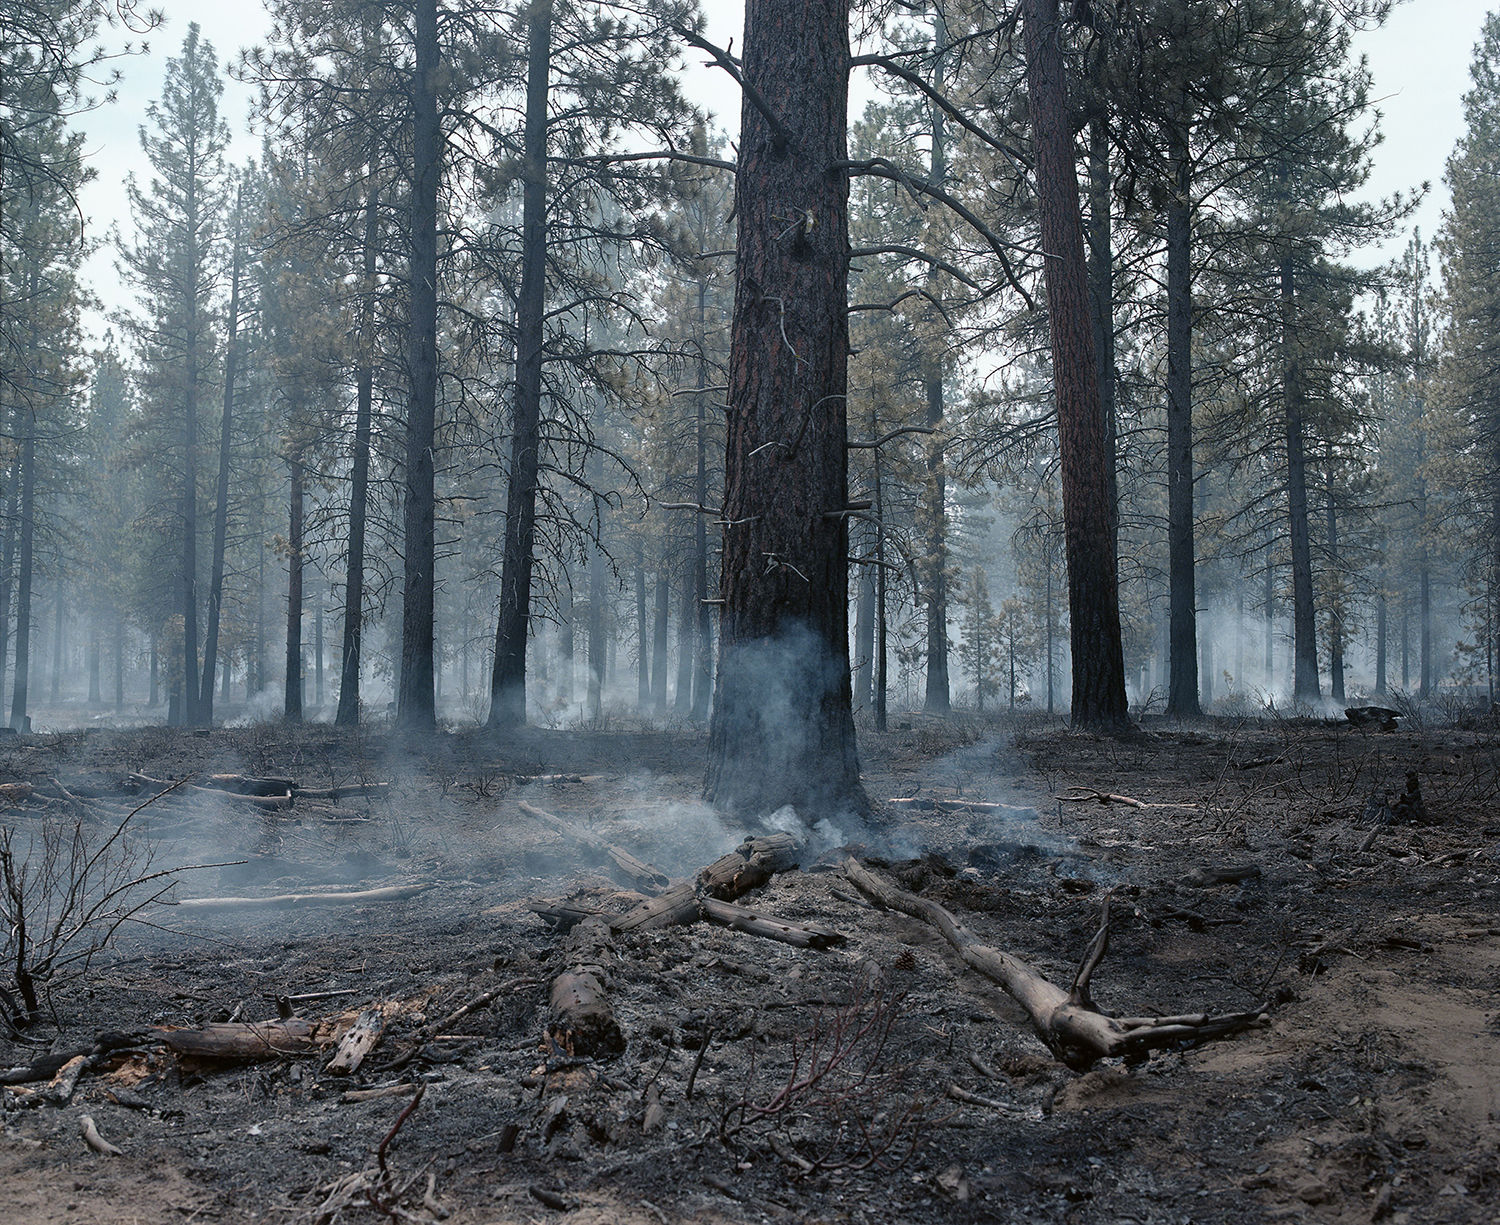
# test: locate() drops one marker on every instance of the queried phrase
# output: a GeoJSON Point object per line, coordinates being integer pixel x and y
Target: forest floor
{"type": "Point", "coordinates": [1372, 1093]}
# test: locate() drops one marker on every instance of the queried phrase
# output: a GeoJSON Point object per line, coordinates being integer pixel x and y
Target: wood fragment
{"type": "Point", "coordinates": [358, 1041]}
{"type": "Point", "coordinates": [343, 791]}
{"type": "Point", "coordinates": [559, 1203]}
{"type": "Point", "coordinates": [1098, 797]}
{"type": "Point", "coordinates": [60, 1090]}
{"type": "Point", "coordinates": [642, 873]}
{"type": "Point", "coordinates": [1229, 874]}
{"type": "Point", "coordinates": [959, 1094]}
{"type": "Point", "coordinates": [94, 1140]}
{"type": "Point", "coordinates": [404, 1089]}
{"type": "Point", "coordinates": [244, 784]}
{"type": "Point", "coordinates": [391, 893]}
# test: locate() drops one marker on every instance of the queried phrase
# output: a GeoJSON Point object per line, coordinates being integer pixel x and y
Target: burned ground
{"type": "Point", "coordinates": [877, 1080]}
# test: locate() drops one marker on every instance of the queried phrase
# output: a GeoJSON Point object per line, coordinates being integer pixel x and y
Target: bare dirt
{"type": "Point", "coordinates": [761, 1082]}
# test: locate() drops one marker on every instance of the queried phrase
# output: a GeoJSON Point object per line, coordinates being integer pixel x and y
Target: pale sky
{"type": "Point", "coordinates": [1420, 61]}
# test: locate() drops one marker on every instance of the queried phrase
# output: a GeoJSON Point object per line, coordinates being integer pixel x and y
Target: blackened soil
{"type": "Point", "coordinates": [766, 1083]}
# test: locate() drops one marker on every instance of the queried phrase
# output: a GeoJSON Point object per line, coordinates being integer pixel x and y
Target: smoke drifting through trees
{"type": "Point", "coordinates": [461, 333]}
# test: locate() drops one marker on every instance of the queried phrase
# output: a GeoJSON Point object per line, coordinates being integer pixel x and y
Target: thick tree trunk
{"type": "Point", "coordinates": [221, 488]}
{"type": "Point", "coordinates": [293, 689]}
{"type": "Point", "coordinates": [359, 481]}
{"type": "Point", "coordinates": [1182, 686]}
{"type": "Point", "coordinates": [55, 679]}
{"type": "Point", "coordinates": [119, 664]}
{"type": "Point", "coordinates": [508, 682]}
{"type": "Point", "coordinates": [416, 700]}
{"type": "Point", "coordinates": [1088, 513]}
{"type": "Point", "coordinates": [782, 730]}
{"type": "Point", "coordinates": [95, 658]}
{"type": "Point", "coordinates": [1305, 684]}
{"type": "Point", "coordinates": [1380, 637]}
{"type": "Point", "coordinates": [596, 644]}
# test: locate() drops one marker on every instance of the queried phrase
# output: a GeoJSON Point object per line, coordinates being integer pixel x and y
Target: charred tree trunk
{"type": "Point", "coordinates": [1335, 603]}
{"type": "Point", "coordinates": [937, 698]}
{"type": "Point", "coordinates": [1305, 684]}
{"type": "Point", "coordinates": [864, 638]}
{"type": "Point", "coordinates": [26, 534]}
{"type": "Point", "coordinates": [703, 673]}
{"type": "Point", "coordinates": [643, 657]}
{"type": "Point", "coordinates": [95, 659]}
{"type": "Point", "coordinates": [508, 681]}
{"type": "Point", "coordinates": [687, 632]}
{"type": "Point", "coordinates": [9, 531]}
{"type": "Point", "coordinates": [221, 487]}
{"type": "Point", "coordinates": [293, 691]}
{"type": "Point", "coordinates": [659, 639]}
{"type": "Point", "coordinates": [782, 730]}
{"type": "Point", "coordinates": [1101, 274]}
{"type": "Point", "coordinates": [359, 482]}
{"type": "Point", "coordinates": [1088, 513]}
{"type": "Point", "coordinates": [416, 699]}
{"type": "Point", "coordinates": [1182, 685]}
{"type": "Point", "coordinates": [881, 655]}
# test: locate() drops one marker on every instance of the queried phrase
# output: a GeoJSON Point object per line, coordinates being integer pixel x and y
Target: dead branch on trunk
{"type": "Point", "coordinates": [1067, 1021]}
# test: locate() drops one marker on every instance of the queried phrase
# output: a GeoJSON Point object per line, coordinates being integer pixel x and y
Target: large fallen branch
{"type": "Point", "coordinates": [286, 901]}
{"type": "Point", "coordinates": [1067, 1020]}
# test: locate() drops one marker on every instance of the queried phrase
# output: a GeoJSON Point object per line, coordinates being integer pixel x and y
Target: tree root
{"type": "Point", "coordinates": [1067, 1021]}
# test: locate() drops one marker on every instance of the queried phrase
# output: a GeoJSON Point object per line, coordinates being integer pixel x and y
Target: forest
{"type": "Point", "coordinates": [488, 557]}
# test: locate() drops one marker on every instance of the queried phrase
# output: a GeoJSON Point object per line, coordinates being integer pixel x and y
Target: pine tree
{"type": "Point", "coordinates": [174, 266]}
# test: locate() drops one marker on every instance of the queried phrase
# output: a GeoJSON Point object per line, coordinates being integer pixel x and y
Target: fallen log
{"type": "Point", "coordinates": [279, 901]}
{"type": "Point", "coordinates": [245, 784]}
{"type": "Point", "coordinates": [679, 904]}
{"type": "Point", "coordinates": [933, 804]}
{"type": "Point", "coordinates": [1067, 1021]}
{"type": "Point", "coordinates": [800, 935]}
{"type": "Point", "coordinates": [580, 1020]}
{"type": "Point", "coordinates": [241, 1040]}
{"type": "Point", "coordinates": [749, 866]}
{"type": "Point", "coordinates": [638, 870]}
{"type": "Point", "coordinates": [343, 790]}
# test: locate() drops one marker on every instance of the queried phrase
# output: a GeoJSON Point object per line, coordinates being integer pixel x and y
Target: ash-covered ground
{"type": "Point", "coordinates": [877, 1080]}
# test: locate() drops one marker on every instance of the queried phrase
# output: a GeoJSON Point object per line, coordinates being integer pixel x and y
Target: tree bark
{"type": "Point", "coordinates": [508, 681]}
{"type": "Point", "coordinates": [416, 699]}
{"type": "Point", "coordinates": [359, 481]}
{"type": "Point", "coordinates": [782, 730]}
{"type": "Point", "coordinates": [659, 628]}
{"type": "Point", "coordinates": [221, 488]}
{"type": "Point", "coordinates": [1305, 684]}
{"type": "Point", "coordinates": [26, 533]}
{"type": "Point", "coordinates": [1093, 587]}
{"type": "Point", "coordinates": [1335, 601]}
{"type": "Point", "coordinates": [293, 689]}
{"type": "Point", "coordinates": [703, 673]}
{"type": "Point", "coordinates": [1182, 684]}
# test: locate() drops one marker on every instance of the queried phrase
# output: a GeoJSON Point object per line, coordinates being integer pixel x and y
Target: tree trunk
{"type": "Point", "coordinates": [26, 531]}
{"type": "Point", "coordinates": [597, 573]}
{"type": "Point", "coordinates": [687, 632]}
{"type": "Point", "coordinates": [782, 730]}
{"type": "Point", "coordinates": [642, 655]}
{"type": "Point", "coordinates": [359, 481]}
{"type": "Point", "coordinates": [1380, 637]}
{"type": "Point", "coordinates": [416, 699]}
{"type": "Point", "coordinates": [1088, 513]}
{"type": "Point", "coordinates": [1101, 275]}
{"type": "Point", "coordinates": [864, 638]}
{"type": "Point", "coordinates": [937, 698]}
{"type": "Point", "coordinates": [1182, 685]}
{"type": "Point", "coordinates": [221, 488]}
{"type": "Point", "coordinates": [96, 652]}
{"type": "Point", "coordinates": [1335, 600]}
{"type": "Point", "coordinates": [119, 664]}
{"type": "Point", "coordinates": [508, 682]}
{"type": "Point", "coordinates": [55, 680]}
{"type": "Point", "coordinates": [1269, 595]}
{"type": "Point", "coordinates": [1305, 684]}
{"type": "Point", "coordinates": [293, 700]}
{"type": "Point", "coordinates": [881, 654]}
{"type": "Point", "coordinates": [659, 640]}
{"type": "Point", "coordinates": [703, 674]}
{"type": "Point", "coordinates": [9, 531]}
